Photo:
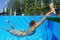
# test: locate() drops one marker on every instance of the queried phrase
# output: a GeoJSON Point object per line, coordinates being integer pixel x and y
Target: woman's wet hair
{"type": "Point", "coordinates": [32, 22]}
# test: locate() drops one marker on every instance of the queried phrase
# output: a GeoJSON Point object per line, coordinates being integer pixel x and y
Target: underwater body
{"type": "Point", "coordinates": [48, 30]}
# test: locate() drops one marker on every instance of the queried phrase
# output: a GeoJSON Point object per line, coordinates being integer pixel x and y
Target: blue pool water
{"type": "Point", "coordinates": [48, 30]}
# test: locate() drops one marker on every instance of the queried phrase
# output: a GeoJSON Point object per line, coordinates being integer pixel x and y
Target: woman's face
{"type": "Point", "coordinates": [51, 5]}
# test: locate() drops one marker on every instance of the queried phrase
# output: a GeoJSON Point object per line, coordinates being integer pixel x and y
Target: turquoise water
{"type": "Point", "coordinates": [43, 32]}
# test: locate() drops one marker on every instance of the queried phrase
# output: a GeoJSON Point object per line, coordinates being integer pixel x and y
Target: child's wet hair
{"type": "Point", "coordinates": [32, 22]}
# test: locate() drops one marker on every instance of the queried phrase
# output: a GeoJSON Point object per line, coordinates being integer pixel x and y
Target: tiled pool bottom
{"type": "Point", "coordinates": [22, 23]}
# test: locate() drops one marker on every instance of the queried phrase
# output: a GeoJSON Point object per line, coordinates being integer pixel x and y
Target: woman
{"type": "Point", "coordinates": [52, 9]}
{"type": "Point", "coordinates": [33, 25]}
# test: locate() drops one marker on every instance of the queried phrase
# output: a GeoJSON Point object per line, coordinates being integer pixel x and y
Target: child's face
{"type": "Point", "coordinates": [35, 22]}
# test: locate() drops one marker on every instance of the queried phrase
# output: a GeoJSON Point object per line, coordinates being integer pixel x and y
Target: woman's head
{"type": "Point", "coordinates": [33, 22]}
{"type": "Point", "coordinates": [51, 5]}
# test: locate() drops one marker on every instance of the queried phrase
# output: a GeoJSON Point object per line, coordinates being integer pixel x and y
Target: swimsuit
{"type": "Point", "coordinates": [52, 14]}
{"type": "Point", "coordinates": [20, 33]}
{"type": "Point", "coordinates": [31, 32]}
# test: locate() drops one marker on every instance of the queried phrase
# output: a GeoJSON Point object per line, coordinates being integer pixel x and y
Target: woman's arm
{"type": "Point", "coordinates": [53, 10]}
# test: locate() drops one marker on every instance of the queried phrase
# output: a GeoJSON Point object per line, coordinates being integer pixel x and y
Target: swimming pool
{"type": "Point", "coordinates": [48, 30]}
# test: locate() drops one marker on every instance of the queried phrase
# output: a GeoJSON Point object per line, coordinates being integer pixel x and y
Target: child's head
{"type": "Point", "coordinates": [33, 22]}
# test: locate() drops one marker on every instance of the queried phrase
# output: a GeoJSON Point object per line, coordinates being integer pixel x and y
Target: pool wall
{"type": "Point", "coordinates": [48, 30]}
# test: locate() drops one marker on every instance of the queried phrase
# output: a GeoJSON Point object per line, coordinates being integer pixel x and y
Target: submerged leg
{"type": "Point", "coordinates": [6, 29]}
{"type": "Point", "coordinates": [10, 24]}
